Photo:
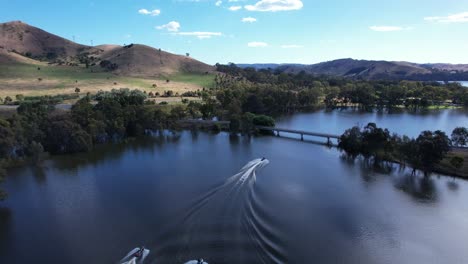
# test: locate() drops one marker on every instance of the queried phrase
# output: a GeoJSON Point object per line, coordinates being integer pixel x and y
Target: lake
{"type": "Point", "coordinates": [401, 121]}
{"type": "Point", "coordinates": [182, 197]}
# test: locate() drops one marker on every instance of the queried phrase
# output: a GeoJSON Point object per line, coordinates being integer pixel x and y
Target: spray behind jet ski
{"type": "Point", "coordinates": [226, 215]}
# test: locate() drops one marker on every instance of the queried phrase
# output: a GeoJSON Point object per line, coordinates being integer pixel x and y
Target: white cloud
{"type": "Point", "coordinates": [455, 18]}
{"type": "Point", "coordinates": [248, 20]}
{"type": "Point", "coordinates": [235, 8]}
{"type": "Point", "coordinates": [386, 28]}
{"type": "Point", "coordinates": [200, 34]}
{"type": "Point", "coordinates": [275, 5]}
{"type": "Point", "coordinates": [155, 12]}
{"type": "Point", "coordinates": [292, 46]}
{"type": "Point", "coordinates": [172, 26]}
{"type": "Point", "coordinates": [218, 3]}
{"type": "Point", "coordinates": [257, 44]}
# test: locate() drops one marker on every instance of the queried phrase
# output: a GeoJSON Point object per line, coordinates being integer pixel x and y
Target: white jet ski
{"type": "Point", "coordinates": [136, 256]}
{"type": "Point", "coordinates": [199, 261]}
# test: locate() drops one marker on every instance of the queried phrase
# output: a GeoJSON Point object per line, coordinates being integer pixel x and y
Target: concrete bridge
{"type": "Point", "coordinates": [302, 133]}
{"type": "Point", "coordinates": [276, 130]}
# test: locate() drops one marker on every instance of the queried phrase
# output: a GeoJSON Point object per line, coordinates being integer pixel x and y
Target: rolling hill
{"type": "Point", "coordinates": [144, 61]}
{"type": "Point", "coordinates": [22, 43]}
{"type": "Point", "coordinates": [376, 70]}
{"type": "Point", "coordinates": [34, 62]}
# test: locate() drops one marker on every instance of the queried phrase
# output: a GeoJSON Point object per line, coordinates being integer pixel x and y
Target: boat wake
{"type": "Point", "coordinates": [226, 225]}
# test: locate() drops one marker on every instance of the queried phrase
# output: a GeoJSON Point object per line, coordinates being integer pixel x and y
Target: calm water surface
{"type": "Point", "coordinates": [402, 122]}
{"type": "Point", "coordinates": [176, 196]}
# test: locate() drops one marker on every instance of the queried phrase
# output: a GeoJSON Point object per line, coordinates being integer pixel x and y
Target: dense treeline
{"type": "Point", "coordinates": [424, 152]}
{"type": "Point", "coordinates": [290, 92]}
{"type": "Point", "coordinates": [52, 99]}
{"type": "Point", "coordinates": [36, 128]}
{"type": "Point", "coordinates": [106, 116]}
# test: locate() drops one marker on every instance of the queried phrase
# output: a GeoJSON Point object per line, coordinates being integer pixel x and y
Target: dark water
{"type": "Point", "coordinates": [178, 197]}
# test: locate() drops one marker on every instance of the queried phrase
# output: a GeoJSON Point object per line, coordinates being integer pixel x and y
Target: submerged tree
{"type": "Point", "coordinates": [432, 147]}
{"type": "Point", "coordinates": [351, 141]}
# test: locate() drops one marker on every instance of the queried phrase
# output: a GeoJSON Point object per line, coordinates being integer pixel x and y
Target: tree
{"type": "Point", "coordinates": [351, 141]}
{"type": "Point", "coordinates": [178, 112]}
{"type": "Point", "coordinates": [65, 136]}
{"type": "Point", "coordinates": [246, 123]}
{"type": "Point", "coordinates": [460, 136]}
{"type": "Point", "coordinates": [375, 141]}
{"type": "Point", "coordinates": [253, 104]}
{"type": "Point", "coordinates": [36, 151]}
{"type": "Point", "coordinates": [457, 162]}
{"type": "Point", "coordinates": [19, 97]}
{"type": "Point", "coordinates": [432, 148]}
{"type": "Point", "coordinates": [7, 139]}
{"type": "Point", "coordinates": [108, 65]}
{"type": "Point", "coordinates": [263, 120]}
{"type": "Point", "coordinates": [8, 100]}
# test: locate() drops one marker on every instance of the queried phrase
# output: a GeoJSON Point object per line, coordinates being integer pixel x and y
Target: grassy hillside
{"type": "Point", "coordinates": [26, 79]}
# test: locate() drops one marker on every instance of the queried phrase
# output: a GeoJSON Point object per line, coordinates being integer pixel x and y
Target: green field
{"type": "Point", "coordinates": [28, 80]}
{"type": "Point", "coordinates": [203, 80]}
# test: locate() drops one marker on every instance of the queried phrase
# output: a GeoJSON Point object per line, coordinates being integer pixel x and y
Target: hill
{"type": "Point", "coordinates": [144, 61]}
{"type": "Point", "coordinates": [28, 41]}
{"type": "Point", "coordinates": [376, 70]}
{"type": "Point", "coordinates": [22, 43]}
{"type": "Point", "coordinates": [35, 62]}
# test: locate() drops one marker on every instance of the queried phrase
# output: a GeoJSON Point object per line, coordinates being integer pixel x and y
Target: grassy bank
{"type": "Point", "coordinates": [446, 168]}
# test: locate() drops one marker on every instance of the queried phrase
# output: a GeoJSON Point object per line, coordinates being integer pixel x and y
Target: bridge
{"type": "Point", "coordinates": [275, 130]}
{"type": "Point", "coordinates": [302, 133]}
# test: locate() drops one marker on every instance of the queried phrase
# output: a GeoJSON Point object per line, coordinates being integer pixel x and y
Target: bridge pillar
{"type": "Point", "coordinates": [328, 141]}
{"type": "Point", "coordinates": [277, 133]}
{"type": "Point", "coordinates": [302, 137]}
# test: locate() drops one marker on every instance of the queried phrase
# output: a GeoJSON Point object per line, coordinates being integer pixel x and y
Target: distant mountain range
{"type": "Point", "coordinates": [22, 43]}
{"type": "Point", "coordinates": [375, 70]}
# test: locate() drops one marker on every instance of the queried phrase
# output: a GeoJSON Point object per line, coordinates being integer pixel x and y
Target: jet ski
{"type": "Point", "coordinates": [136, 256]}
{"type": "Point", "coordinates": [199, 261]}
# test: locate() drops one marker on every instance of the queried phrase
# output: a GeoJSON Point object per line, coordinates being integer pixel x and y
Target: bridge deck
{"type": "Point", "coordinates": [205, 122]}
{"type": "Point", "coordinates": [275, 129]}
{"type": "Point", "coordinates": [300, 132]}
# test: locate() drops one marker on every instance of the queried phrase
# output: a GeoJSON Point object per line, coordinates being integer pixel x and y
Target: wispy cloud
{"type": "Point", "coordinates": [292, 46]}
{"type": "Point", "coordinates": [386, 28]}
{"type": "Point", "coordinates": [249, 20]}
{"type": "Point", "coordinates": [172, 26]}
{"type": "Point", "coordinates": [155, 12]}
{"type": "Point", "coordinates": [235, 8]}
{"type": "Point", "coordinates": [219, 3]}
{"type": "Point", "coordinates": [454, 18]}
{"type": "Point", "coordinates": [275, 5]}
{"type": "Point", "coordinates": [257, 44]}
{"type": "Point", "coordinates": [199, 34]}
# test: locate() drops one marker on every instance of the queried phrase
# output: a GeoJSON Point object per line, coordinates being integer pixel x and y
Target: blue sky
{"type": "Point", "coordinates": [262, 31]}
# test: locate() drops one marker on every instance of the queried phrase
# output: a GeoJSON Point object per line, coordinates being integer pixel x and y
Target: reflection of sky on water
{"type": "Point", "coordinates": [323, 207]}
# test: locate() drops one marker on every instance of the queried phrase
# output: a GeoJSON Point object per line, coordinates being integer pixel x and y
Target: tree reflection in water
{"type": "Point", "coordinates": [421, 188]}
